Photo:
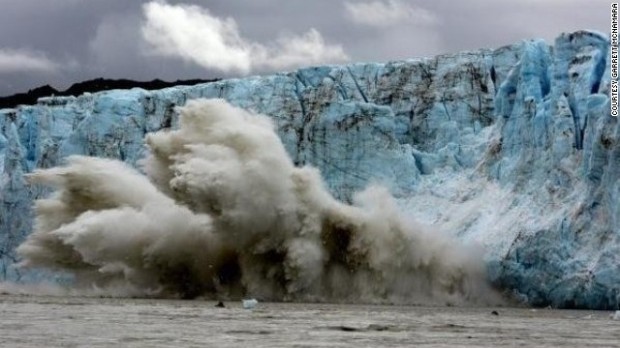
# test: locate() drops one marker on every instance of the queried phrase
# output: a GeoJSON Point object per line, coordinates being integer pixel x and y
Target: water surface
{"type": "Point", "coordinates": [36, 321]}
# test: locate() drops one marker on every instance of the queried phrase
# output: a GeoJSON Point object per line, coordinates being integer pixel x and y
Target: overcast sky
{"type": "Point", "coordinates": [60, 42]}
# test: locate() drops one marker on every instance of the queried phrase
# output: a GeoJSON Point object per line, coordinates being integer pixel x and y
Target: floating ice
{"type": "Point", "coordinates": [249, 304]}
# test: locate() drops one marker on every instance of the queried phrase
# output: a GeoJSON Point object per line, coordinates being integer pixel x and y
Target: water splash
{"type": "Point", "coordinates": [222, 211]}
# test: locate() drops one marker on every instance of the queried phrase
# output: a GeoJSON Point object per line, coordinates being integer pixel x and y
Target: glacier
{"type": "Point", "coordinates": [513, 148]}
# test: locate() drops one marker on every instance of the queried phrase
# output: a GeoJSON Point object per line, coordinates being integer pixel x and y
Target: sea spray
{"type": "Point", "coordinates": [222, 211]}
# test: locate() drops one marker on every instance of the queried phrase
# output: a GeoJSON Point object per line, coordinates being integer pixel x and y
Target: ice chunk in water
{"type": "Point", "coordinates": [250, 303]}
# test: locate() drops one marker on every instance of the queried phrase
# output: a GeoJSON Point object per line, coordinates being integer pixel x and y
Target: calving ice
{"type": "Point", "coordinates": [511, 149]}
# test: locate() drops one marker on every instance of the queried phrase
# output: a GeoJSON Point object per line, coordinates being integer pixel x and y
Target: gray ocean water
{"type": "Point", "coordinates": [33, 321]}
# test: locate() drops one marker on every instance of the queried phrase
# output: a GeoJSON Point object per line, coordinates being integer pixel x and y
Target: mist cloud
{"type": "Point", "coordinates": [20, 60]}
{"type": "Point", "coordinates": [388, 13]}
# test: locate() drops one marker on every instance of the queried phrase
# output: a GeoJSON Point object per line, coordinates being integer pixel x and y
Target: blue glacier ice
{"type": "Point", "coordinates": [513, 148]}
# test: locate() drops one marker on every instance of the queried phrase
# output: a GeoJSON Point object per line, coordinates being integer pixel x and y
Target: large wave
{"type": "Point", "coordinates": [223, 212]}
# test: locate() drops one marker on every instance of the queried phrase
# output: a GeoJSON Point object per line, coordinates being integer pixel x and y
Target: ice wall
{"type": "Point", "coordinates": [512, 147]}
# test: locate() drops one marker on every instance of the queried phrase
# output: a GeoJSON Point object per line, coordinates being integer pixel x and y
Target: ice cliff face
{"type": "Point", "coordinates": [514, 148]}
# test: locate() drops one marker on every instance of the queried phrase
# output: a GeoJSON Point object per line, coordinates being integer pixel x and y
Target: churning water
{"type": "Point", "coordinates": [31, 321]}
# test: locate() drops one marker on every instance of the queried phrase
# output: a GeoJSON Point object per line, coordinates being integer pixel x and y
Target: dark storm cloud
{"type": "Point", "coordinates": [59, 29]}
{"type": "Point", "coordinates": [55, 24]}
{"type": "Point", "coordinates": [484, 23]}
{"type": "Point", "coordinates": [84, 39]}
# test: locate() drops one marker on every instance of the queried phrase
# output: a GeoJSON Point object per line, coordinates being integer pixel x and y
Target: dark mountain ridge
{"type": "Point", "coordinates": [92, 86]}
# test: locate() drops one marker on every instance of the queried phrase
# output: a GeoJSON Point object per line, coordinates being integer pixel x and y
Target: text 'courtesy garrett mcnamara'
{"type": "Point", "coordinates": [613, 90]}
